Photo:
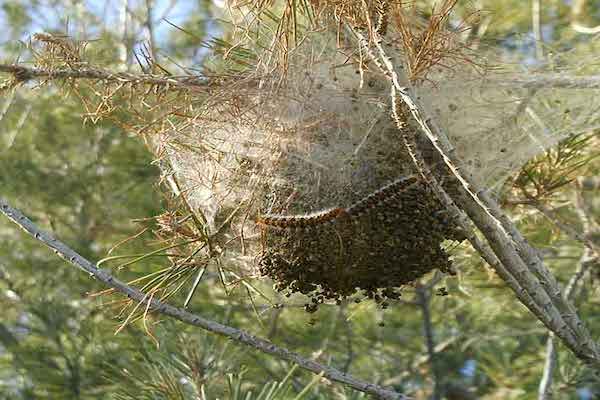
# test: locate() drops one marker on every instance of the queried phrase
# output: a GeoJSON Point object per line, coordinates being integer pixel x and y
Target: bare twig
{"type": "Point", "coordinates": [545, 389]}
{"type": "Point", "coordinates": [578, 10]}
{"type": "Point", "coordinates": [349, 344]}
{"type": "Point", "coordinates": [149, 24]}
{"type": "Point", "coordinates": [237, 335]}
{"type": "Point", "coordinates": [423, 300]}
{"type": "Point", "coordinates": [24, 74]}
{"type": "Point", "coordinates": [536, 17]}
{"type": "Point", "coordinates": [546, 81]}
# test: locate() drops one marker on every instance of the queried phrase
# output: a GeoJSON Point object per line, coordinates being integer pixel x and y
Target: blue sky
{"type": "Point", "coordinates": [45, 16]}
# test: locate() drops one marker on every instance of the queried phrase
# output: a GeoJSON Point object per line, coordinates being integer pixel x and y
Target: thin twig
{"type": "Point", "coordinates": [545, 389]}
{"type": "Point", "coordinates": [24, 74]}
{"type": "Point", "coordinates": [423, 300]}
{"type": "Point", "coordinates": [237, 335]}
{"type": "Point", "coordinates": [536, 17]}
{"type": "Point", "coordinates": [578, 10]}
{"type": "Point", "coordinates": [547, 81]}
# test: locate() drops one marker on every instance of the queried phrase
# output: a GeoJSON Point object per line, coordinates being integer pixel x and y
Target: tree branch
{"type": "Point", "coordinates": [23, 74]}
{"type": "Point", "coordinates": [534, 305]}
{"type": "Point", "coordinates": [237, 335]}
{"type": "Point", "coordinates": [522, 263]}
{"type": "Point", "coordinates": [578, 10]}
{"type": "Point", "coordinates": [546, 81]}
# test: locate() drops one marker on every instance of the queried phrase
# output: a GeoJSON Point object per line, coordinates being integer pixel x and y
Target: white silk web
{"type": "Point", "coordinates": [323, 134]}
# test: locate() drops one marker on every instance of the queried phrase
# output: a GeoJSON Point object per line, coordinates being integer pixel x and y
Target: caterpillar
{"type": "Point", "coordinates": [383, 194]}
{"type": "Point", "coordinates": [372, 200]}
{"type": "Point", "coordinates": [301, 221]}
{"type": "Point", "coordinates": [382, 8]}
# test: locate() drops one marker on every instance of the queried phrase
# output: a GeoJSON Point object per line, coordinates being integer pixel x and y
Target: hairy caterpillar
{"type": "Point", "coordinates": [372, 200]}
{"type": "Point", "coordinates": [383, 194]}
{"type": "Point", "coordinates": [382, 8]}
{"type": "Point", "coordinates": [301, 221]}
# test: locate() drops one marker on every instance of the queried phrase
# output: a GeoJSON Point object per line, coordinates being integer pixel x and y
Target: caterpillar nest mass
{"type": "Point", "coordinates": [319, 161]}
{"type": "Point", "coordinates": [371, 248]}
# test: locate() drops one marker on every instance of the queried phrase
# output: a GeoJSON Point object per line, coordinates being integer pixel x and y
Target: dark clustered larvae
{"type": "Point", "coordinates": [370, 254]}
